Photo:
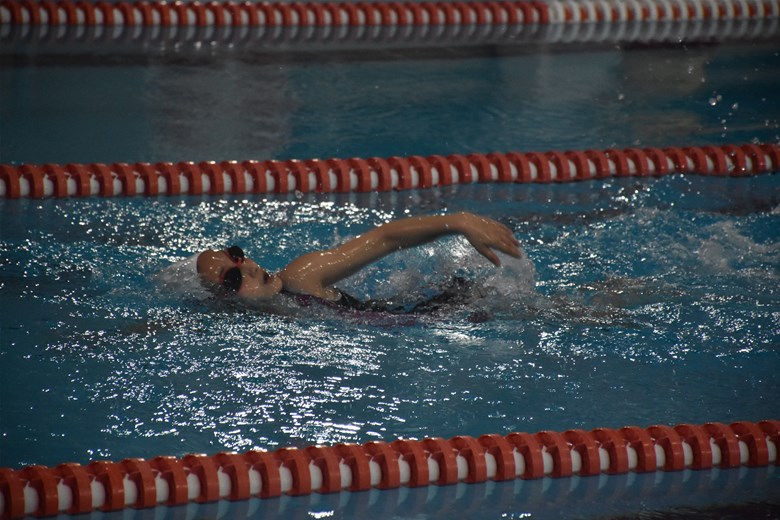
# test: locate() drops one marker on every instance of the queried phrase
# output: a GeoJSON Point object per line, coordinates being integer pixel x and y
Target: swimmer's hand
{"type": "Point", "coordinates": [485, 234]}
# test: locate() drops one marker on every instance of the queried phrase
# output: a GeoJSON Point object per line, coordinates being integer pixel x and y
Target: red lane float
{"type": "Point", "coordinates": [371, 14]}
{"type": "Point", "coordinates": [444, 456]}
{"type": "Point", "coordinates": [138, 23]}
{"type": "Point", "coordinates": [503, 454]}
{"type": "Point", "coordinates": [376, 174]}
{"type": "Point", "coordinates": [108, 486]}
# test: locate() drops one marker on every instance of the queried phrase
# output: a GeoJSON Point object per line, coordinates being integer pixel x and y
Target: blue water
{"type": "Point", "coordinates": [640, 301]}
{"type": "Point", "coordinates": [637, 301]}
{"type": "Point", "coordinates": [204, 105]}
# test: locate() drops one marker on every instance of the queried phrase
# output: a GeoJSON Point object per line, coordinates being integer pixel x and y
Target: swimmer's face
{"type": "Point", "coordinates": [255, 282]}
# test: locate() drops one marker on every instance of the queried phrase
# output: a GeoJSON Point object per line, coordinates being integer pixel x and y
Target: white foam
{"type": "Point", "coordinates": [181, 278]}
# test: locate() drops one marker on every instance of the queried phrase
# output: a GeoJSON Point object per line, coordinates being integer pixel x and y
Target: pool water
{"type": "Point", "coordinates": [637, 301]}
{"type": "Point", "coordinates": [186, 105]}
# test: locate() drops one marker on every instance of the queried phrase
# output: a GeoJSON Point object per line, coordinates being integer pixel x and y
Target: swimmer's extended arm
{"type": "Point", "coordinates": [314, 272]}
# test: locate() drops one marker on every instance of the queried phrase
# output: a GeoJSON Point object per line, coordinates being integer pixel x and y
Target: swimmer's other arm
{"type": "Point", "coordinates": [315, 272]}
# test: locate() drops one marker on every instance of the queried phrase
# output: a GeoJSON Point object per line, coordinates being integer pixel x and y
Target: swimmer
{"type": "Point", "coordinates": [230, 272]}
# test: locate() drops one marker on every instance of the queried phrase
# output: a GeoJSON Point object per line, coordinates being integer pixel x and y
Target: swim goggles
{"type": "Point", "coordinates": [231, 278]}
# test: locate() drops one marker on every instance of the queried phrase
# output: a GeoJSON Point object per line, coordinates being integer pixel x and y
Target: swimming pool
{"type": "Point", "coordinates": [629, 285]}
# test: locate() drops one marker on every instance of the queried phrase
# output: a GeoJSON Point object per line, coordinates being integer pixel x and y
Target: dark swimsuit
{"type": "Point", "coordinates": [345, 301]}
{"type": "Point", "coordinates": [456, 292]}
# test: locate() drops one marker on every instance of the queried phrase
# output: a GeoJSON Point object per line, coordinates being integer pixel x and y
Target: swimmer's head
{"type": "Point", "coordinates": [229, 272]}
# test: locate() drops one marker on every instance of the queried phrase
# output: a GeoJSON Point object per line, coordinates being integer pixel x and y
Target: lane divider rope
{"type": "Point", "coordinates": [327, 25]}
{"type": "Point", "coordinates": [35, 27]}
{"type": "Point", "coordinates": [378, 174]}
{"type": "Point", "coordinates": [110, 486]}
{"type": "Point", "coordinates": [434, 13]}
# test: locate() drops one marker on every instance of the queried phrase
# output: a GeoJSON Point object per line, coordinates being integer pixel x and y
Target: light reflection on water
{"type": "Point", "coordinates": [635, 304]}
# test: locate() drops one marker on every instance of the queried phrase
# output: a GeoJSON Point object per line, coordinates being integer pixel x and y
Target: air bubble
{"type": "Point", "coordinates": [715, 99]}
